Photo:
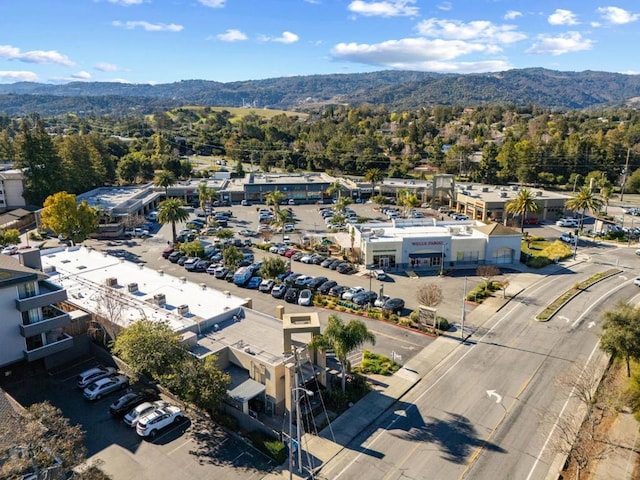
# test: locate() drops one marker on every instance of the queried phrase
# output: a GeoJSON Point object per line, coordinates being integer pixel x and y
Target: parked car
{"type": "Point", "coordinates": [379, 274]}
{"type": "Point", "coordinates": [221, 272]}
{"type": "Point", "coordinates": [190, 264]}
{"type": "Point", "coordinates": [181, 260]}
{"type": "Point", "coordinates": [289, 253]}
{"type": "Point", "coordinates": [636, 281]}
{"type": "Point", "coordinates": [167, 251]}
{"type": "Point", "coordinates": [326, 262]}
{"type": "Point", "coordinates": [291, 295]}
{"type": "Point", "coordinates": [346, 269]}
{"type": "Point", "coordinates": [174, 256]}
{"type": "Point", "coordinates": [315, 282]}
{"type": "Point", "coordinates": [266, 285]}
{"type": "Point", "coordinates": [291, 278]}
{"type": "Point", "coordinates": [131, 418]}
{"type": "Point", "coordinates": [363, 298]}
{"type": "Point", "coordinates": [253, 283]}
{"type": "Point", "coordinates": [279, 291]}
{"type": "Point", "coordinates": [10, 250]}
{"type": "Point", "coordinates": [380, 301]}
{"type": "Point", "coordinates": [302, 281]}
{"type": "Point", "coordinates": [567, 222]}
{"type": "Point", "coordinates": [337, 291]}
{"type": "Point", "coordinates": [306, 258]}
{"type": "Point", "coordinates": [87, 377]}
{"type": "Point", "coordinates": [129, 400]}
{"type": "Point", "coordinates": [305, 298]}
{"type": "Point", "coordinates": [568, 238]}
{"type": "Point", "coordinates": [326, 286]}
{"type": "Point", "coordinates": [335, 263]}
{"type": "Point", "coordinates": [297, 257]}
{"type": "Point", "coordinates": [352, 292]}
{"type": "Point", "coordinates": [201, 266]}
{"type": "Point", "coordinates": [396, 305]}
{"type": "Point", "coordinates": [151, 423]}
{"type": "Point", "coordinates": [105, 386]}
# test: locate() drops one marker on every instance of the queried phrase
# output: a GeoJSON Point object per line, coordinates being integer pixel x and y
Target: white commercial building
{"type": "Point", "coordinates": [430, 244]}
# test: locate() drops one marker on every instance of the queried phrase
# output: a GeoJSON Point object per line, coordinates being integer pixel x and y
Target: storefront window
{"type": "Point", "coordinates": [384, 261]}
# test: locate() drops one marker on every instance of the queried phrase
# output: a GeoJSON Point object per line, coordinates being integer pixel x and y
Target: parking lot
{"type": "Point", "coordinates": [193, 449]}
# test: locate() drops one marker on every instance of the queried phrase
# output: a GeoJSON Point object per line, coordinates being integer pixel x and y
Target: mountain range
{"type": "Point", "coordinates": [401, 90]}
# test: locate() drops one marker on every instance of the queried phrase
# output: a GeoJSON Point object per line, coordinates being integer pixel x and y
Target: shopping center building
{"type": "Point", "coordinates": [418, 244]}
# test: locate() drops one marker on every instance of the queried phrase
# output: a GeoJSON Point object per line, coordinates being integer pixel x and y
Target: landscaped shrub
{"type": "Point", "coordinates": [443, 324]}
{"type": "Point", "coordinates": [377, 364]}
{"type": "Point", "coordinates": [538, 262]}
{"type": "Point", "coordinates": [406, 321]}
{"type": "Point", "coordinates": [274, 448]}
{"type": "Point", "coordinates": [264, 246]}
{"type": "Point", "coordinates": [414, 316]}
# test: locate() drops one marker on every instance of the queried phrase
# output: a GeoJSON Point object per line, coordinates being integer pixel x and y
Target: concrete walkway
{"type": "Point", "coordinates": [620, 463]}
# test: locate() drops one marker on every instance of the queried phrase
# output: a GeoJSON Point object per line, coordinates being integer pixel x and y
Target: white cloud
{"type": "Point", "coordinates": [512, 15]}
{"type": "Point", "coordinates": [126, 3]}
{"type": "Point", "coordinates": [562, 17]}
{"type": "Point", "coordinates": [405, 52]}
{"type": "Point", "coordinates": [82, 75]}
{"type": "Point", "coordinates": [107, 67]}
{"type": "Point", "coordinates": [561, 44]}
{"type": "Point", "coordinates": [17, 76]}
{"type": "Point", "coordinates": [231, 35]}
{"type": "Point", "coordinates": [149, 27]}
{"type": "Point", "coordinates": [286, 37]}
{"type": "Point", "coordinates": [476, 30]}
{"type": "Point", "coordinates": [35, 56]}
{"type": "Point", "coordinates": [212, 3]}
{"type": "Point", "coordinates": [384, 8]}
{"type": "Point", "coordinates": [445, 6]}
{"type": "Point", "coordinates": [618, 15]}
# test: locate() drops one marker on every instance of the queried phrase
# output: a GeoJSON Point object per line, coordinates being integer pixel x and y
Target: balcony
{"type": "Point", "coordinates": [52, 318]}
{"type": "Point", "coordinates": [65, 341]}
{"type": "Point", "coordinates": [49, 294]}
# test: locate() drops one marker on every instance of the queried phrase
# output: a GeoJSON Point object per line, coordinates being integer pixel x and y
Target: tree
{"type": "Point", "coordinates": [373, 176]}
{"type": "Point", "coordinates": [11, 236]}
{"type": "Point", "coordinates": [200, 382]}
{"type": "Point", "coordinates": [205, 195]}
{"type": "Point", "coordinates": [584, 200]}
{"type": "Point", "coordinates": [272, 267]}
{"type": "Point", "coordinates": [606, 192]}
{"type": "Point", "coordinates": [379, 200]}
{"type": "Point", "coordinates": [342, 339]}
{"type": "Point", "coordinates": [108, 317]}
{"type": "Point", "coordinates": [487, 272]}
{"type": "Point", "coordinates": [621, 333]}
{"type": "Point", "coordinates": [37, 156]}
{"type": "Point", "coordinates": [429, 295]}
{"type": "Point", "coordinates": [282, 217]}
{"type": "Point", "coordinates": [172, 211]}
{"type": "Point", "coordinates": [224, 234]}
{"type": "Point", "coordinates": [63, 215]}
{"type": "Point", "coordinates": [335, 187]}
{"type": "Point", "coordinates": [523, 204]}
{"type": "Point", "coordinates": [274, 198]}
{"type": "Point", "coordinates": [342, 203]}
{"type": "Point", "coordinates": [40, 436]}
{"type": "Point", "coordinates": [164, 179]}
{"type": "Point", "coordinates": [150, 347]}
{"type": "Point", "coordinates": [232, 257]}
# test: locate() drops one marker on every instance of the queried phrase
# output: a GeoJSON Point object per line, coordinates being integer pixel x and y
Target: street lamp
{"type": "Point", "coordinates": [295, 400]}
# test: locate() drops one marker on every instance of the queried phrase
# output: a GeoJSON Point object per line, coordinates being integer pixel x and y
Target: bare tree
{"type": "Point", "coordinates": [430, 296]}
{"type": "Point", "coordinates": [487, 272]}
{"type": "Point", "coordinates": [107, 320]}
{"type": "Point", "coordinates": [131, 221]}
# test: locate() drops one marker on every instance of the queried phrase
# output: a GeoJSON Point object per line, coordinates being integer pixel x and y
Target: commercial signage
{"type": "Point", "coordinates": [426, 243]}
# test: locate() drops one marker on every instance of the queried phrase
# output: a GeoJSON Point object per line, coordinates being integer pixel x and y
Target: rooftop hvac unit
{"type": "Point", "coordinates": [111, 282]}
{"type": "Point", "coordinates": [378, 231]}
{"type": "Point", "coordinates": [538, 193]}
{"type": "Point", "coordinates": [183, 309]}
{"type": "Point", "coordinates": [132, 287]}
{"type": "Point", "coordinates": [514, 188]}
{"type": "Point", "coordinates": [485, 189]}
{"type": "Point", "coordinates": [160, 299]}
{"type": "Point", "coordinates": [503, 194]}
{"type": "Point", "coordinates": [49, 269]}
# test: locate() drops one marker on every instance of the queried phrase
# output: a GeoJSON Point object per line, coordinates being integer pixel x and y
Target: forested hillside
{"type": "Point", "coordinates": [395, 89]}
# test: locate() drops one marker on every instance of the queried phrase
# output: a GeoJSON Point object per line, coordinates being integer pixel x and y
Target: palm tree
{"type": "Point", "coordinates": [584, 200]}
{"type": "Point", "coordinates": [335, 187]}
{"type": "Point", "coordinates": [342, 339]}
{"type": "Point", "coordinates": [341, 204]}
{"type": "Point", "coordinates": [171, 211]}
{"type": "Point", "coordinates": [620, 333]}
{"type": "Point", "coordinates": [411, 201]}
{"type": "Point", "coordinates": [164, 179]}
{"type": "Point", "coordinates": [205, 195]}
{"type": "Point", "coordinates": [373, 176]}
{"type": "Point", "coordinates": [523, 204]}
{"type": "Point", "coordinates": [605, 195]}
{"type": "Point", "coordinates": [274, 198]}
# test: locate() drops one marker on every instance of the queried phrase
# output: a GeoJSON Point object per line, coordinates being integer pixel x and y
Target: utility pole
{"type": "Point", "coordinates": [624, 174]}
{"type": "Point", "coordinates": [464, 308]}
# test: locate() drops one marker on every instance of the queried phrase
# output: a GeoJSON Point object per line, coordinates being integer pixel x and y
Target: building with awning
{"type": "Point", "coordinates": [419, 244]}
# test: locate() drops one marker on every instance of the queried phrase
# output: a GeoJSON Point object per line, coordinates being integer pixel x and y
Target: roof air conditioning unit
{"type": "Point", "coordinates": [49, 269]}
{"type": "Point", "coordinates": [183, 309]}
{"type": "Point", "coordinates": [485, 189]}
{"type": "Point", "coordinates": [132, 287]}
{"type": "Point", "coordinates": [111, 282]}
{"type": "Point", "coordinates": [538, 193]}
{"type": "Point", "coordinates": [503, 194]}
{"type": "Point", "coordinates": [160, 299]}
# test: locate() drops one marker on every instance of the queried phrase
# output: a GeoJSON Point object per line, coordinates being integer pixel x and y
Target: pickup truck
{"type": "Point", "coordinates": [137, 232]}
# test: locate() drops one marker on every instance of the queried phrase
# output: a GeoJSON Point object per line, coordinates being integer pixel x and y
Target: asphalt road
{"type": "Point", "coordinates": [487, 413]}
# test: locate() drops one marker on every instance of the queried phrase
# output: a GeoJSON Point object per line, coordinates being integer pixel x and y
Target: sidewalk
{"type": "Point", "coordinates": [333, 438]}
{"type": "Point", "coordinates": [620, 463]}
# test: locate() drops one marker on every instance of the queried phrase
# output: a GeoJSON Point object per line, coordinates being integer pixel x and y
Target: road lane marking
{"type": "Point", "coordinates": [597, 302]}
{"type": "Point", "coordinates": [179, 447]}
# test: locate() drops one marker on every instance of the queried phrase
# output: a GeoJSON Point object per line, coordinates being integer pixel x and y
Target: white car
{"type": "Point", "coordinates": [141, 410]}
{"type": "Point", "coordinates": [306, 259]}
{"type": "Point", "coordinates": [306, 298]}
{"type": "Point", "coordinates": [89, 376]}
{"type": "Point", "coordinates": [352, 292]}
{"type": "Point", "coordinates": [637, 281]}
{"type": "Point", "coordinates": [638, 252]}
{"type": "Point", "coordinates": [104, 386]}
{"type": "Point", "coordinates": [149, 424]}
{"type": "Point", "coordinates": [568, 238]}
{"type": "Point", "coordinates": [10, 250]}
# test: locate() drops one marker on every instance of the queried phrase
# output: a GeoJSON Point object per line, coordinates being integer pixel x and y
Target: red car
{"type": "Point", "coordinates": [167, 251]}
{"type": "Point", "coordinates": [290, 253]}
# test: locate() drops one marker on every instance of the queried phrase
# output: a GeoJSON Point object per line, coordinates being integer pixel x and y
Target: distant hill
{"type": "Point", "coordinates": [396, 89]}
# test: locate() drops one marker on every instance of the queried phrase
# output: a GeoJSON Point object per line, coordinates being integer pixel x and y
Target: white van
{"type": "Point", "coordinates": [379, 274]}
{"type": "Point", "coordinates": [152, 216]}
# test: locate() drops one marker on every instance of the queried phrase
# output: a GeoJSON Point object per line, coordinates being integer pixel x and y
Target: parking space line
{"type": "Point", "coordinates": [241, 454]}
{"type": "Point", "coordinates": [179, 447]}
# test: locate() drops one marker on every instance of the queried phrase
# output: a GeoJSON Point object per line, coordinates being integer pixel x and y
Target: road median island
{"type": "Point", "coordinates": [555, 306]}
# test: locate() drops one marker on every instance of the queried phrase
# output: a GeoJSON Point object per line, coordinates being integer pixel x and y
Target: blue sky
{"type": "Point", "coordinates": [161, 41]}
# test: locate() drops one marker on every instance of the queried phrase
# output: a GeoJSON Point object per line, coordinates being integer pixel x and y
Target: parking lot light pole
{"type": "Point", "coordinates": [464, 308]}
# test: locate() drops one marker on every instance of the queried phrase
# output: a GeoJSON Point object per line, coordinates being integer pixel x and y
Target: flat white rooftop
{"type": "Point", "coordinates": [385, 232]}
{"type": "Point", "coordinates": [84, 273]}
